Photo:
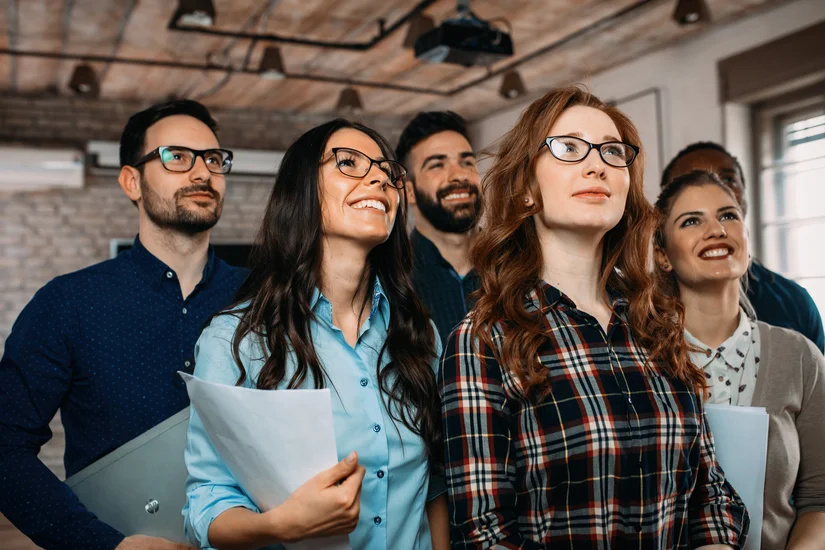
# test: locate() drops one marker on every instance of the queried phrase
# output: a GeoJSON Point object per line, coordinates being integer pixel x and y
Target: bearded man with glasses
{"type": "Point", "coordinates": [103, 345]}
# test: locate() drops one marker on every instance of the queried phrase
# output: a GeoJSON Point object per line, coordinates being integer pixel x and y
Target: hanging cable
{"type": "Point", "coordinates": [262, 22]}
{"type": "Point", "coordinates": [127, 14]}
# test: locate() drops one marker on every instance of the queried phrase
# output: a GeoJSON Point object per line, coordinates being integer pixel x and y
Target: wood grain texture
{"type": "Point", "coordinates": [535, 24]}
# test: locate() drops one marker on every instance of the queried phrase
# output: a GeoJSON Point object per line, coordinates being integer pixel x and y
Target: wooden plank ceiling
{"type": "Point", "coordinates": [138, 29]}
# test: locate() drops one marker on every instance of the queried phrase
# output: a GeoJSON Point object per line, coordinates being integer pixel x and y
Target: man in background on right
{"type": "Point", "coordinates": [777, 300]}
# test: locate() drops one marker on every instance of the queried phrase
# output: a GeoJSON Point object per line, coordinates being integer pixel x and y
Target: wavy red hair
{"type": "Point", "coordinates": [508, 259]}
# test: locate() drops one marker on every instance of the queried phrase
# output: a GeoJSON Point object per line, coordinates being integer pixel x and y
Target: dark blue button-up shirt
{"type": "Point", "coordinates": [103, 346]}
{"type": "Point", "coordinates": [783, 303]}
{"type": "Point", "coordinates": [445, 293]}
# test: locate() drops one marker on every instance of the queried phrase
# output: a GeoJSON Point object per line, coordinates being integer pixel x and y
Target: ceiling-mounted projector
{"type": "Point", "coordinates": [466, 40]}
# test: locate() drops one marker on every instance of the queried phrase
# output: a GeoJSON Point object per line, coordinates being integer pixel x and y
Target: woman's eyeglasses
{"type": "Point", "coordinates": [355, 164]}
{"type": "Point", "coordinates": [181, 159]}
{"type": "Point", "coordinates": [573, 149]}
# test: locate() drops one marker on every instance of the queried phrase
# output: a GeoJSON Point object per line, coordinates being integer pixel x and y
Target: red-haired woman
{"type": "Point", "coordinates": [572, 416]}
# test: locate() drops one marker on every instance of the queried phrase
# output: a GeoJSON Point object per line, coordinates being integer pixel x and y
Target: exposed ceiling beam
{"type": "Point", "coordinates": [124, 20]}
{"type": "Point", "coordinates": [597, 26]}
{"type": "Point", "coordinates": [207, 67]}
{"type": "Point", "coordinates": [584, 31]}
{"type": "Point", "coordinates": [68, 6]}
{"type": "Point", "coordinates": [383, 33]}
{"type": "Point", "coordinates": [13, 44]}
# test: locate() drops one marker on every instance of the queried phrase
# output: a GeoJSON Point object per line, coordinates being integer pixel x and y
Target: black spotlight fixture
{"type": "Point", "coordinates": [349, 101]}
{"type": "Point", "coordinates": [84, 81]}
{"type": "Point", "coordinates": [194, 13]}
{"type": "Point", "coordinates": [419, 24]}
{"type": "Point", "coordinates": [272, 65]}
{"type": "Point", "coordinates": [512, 86]}
{"type": "Point", "coordinates": [690, 12]}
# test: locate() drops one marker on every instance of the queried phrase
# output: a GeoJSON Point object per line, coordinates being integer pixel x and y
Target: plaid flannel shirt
{"type": "Point", "coordinates": [618, 455]}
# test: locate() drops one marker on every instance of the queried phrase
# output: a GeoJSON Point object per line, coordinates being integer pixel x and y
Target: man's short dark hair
{"type": "Point", "coordinates": [133, 139]}
{"type": "Point", "coordinates": [699, 146]}
{"type": "Point", "coordinates": [425, 125]}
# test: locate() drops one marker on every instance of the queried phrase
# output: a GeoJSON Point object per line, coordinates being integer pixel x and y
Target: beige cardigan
{"type": "Point", "coordinates": [791, 386]}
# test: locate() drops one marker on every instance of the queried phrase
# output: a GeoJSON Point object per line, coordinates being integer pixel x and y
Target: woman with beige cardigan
{"type": "Point", "coordinates": [701, 256]}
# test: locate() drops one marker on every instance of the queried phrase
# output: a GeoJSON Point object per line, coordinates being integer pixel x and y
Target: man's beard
{"type": "Point", "coordinates": [458, 219]}
{"type": "Point", "coordinates": [174, 215]}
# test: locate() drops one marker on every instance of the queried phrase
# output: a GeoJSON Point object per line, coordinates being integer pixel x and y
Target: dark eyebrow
{"type": "Point", "coordinates": [697, 213]}
{"type": "Point", "coordinates": [433, 157]}
{"type": "Point", "coordinates": [467, 154]}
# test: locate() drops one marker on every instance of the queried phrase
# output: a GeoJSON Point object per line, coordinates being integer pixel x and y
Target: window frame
{"type": "Point", "coordinates": [769, 119]}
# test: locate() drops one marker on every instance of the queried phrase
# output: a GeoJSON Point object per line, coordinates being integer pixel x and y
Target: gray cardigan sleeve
{"type": "Point", "coordinates": [809, 492]}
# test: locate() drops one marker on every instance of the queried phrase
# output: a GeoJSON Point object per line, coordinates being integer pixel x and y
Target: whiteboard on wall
{"type": "Point", "coordinates": [645, 110]}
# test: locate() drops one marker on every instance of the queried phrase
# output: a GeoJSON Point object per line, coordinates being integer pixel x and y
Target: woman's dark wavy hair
{"type": "Point", "coordinates": [274, 305]}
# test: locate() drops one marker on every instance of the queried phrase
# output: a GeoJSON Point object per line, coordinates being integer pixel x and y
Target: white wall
{"type": "Point", "coordinates": [686, 76]}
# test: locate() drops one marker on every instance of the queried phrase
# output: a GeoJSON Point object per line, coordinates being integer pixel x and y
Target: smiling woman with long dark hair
{"type": "Point", "coordinates": [330, 303]}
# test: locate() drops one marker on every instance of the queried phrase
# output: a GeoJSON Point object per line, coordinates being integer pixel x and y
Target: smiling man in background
{"type": "Point", "coordinates": [443, 189]}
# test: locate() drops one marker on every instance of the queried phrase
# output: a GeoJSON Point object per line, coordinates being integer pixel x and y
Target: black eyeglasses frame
{"type": "Point", "coordinates": [156, 154]}
{"type": "Point", "coordinates": [392, 183]}
{"type": "Point", "coordinates": [590, 146]}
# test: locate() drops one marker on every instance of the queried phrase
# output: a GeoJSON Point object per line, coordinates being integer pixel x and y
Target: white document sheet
{"type": "Point", "coordinates": [271, 440]}
{"type": "Point", "coordinates": [741, 438]}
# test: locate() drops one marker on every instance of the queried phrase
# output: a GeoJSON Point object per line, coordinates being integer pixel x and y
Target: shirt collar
{"type": "Point", "coordinates": [155, 270]}
{"type": "Point", "coordinates": [323, 308]}
{"type": "Point", "coordinates": [547, 295]}
{"type": "Point", "coordinates": [732, 350]}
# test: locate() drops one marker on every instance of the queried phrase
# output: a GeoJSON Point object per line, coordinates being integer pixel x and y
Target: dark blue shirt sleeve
{"type": "Point", "coordinates": [35, 378]}
{"type": "Point", "coordinates": [814, 330]}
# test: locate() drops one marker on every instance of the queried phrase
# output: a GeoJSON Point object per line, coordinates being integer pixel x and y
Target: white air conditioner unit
{"type": "Point", "coordinates": [35, 169]}
{"type": "Point", "coordinates": [246, 162]}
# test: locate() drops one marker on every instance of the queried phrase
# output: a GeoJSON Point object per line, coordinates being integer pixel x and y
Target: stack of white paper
{"type": "Point", "coordinates": [741, 438]}
{"type": "Point", "coordinates": [272, 441]}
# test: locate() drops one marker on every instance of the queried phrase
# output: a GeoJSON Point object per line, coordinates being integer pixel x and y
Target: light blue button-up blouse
{"type": "Point", "coordinates": [396, 486]}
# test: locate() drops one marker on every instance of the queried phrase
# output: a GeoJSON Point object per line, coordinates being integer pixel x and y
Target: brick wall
{"type": "Point", "coordinates": [47, 233]}
{"type": "Point", "coordinates": [78, 120]}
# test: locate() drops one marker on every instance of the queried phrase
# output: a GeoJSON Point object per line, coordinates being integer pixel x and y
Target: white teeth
{"type": "Point", "coordinates": [716, 253]}
{"type": "Point", "coordinates": [453, 196]}
{"type": "Point", "coordinates": [369, 203]}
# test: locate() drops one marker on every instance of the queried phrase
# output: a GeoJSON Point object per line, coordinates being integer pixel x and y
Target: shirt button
{"type": "Point", "coordinates": [638, 527]}
{"type": "Point", "coordinates": [186, 363]}
{"type": "Point", "coordinates": [184, 311]}
{"type": "Point", "coordinates": [721, 378]}
{"type": "Point", "coordinates": [376, 428]}
{"type": "Point", "coordinates": [364, 382]}
{"type": "Point", "coordinates": [380, 474]}
{"type": "Point", "coordinates": [169, 275]}
{"type": "Point", "coordinates": [377, 520]}
{"type": "Point", "coordinates": [629, 400]}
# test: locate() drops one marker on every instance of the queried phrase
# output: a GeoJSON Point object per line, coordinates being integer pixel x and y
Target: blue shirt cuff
{"type": "Point", "coordinates": [200, 537]}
